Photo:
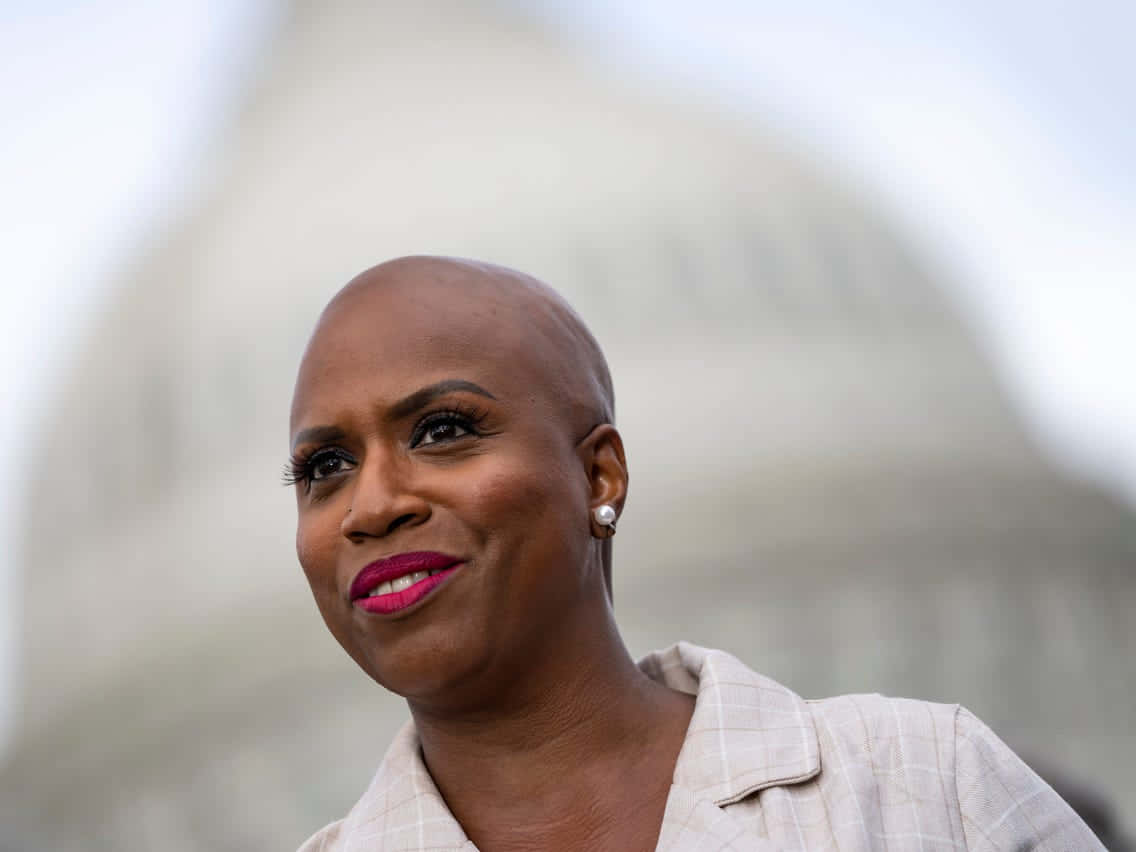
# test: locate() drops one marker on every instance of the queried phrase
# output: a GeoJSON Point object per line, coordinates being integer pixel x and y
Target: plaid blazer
{"type": "Point", "coordinates": [762, 769]}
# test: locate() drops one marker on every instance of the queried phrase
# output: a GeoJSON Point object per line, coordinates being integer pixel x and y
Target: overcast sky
{"type": "Point", "coordinates": [999, 134]}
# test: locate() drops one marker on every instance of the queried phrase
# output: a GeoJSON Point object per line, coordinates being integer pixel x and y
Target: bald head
{"type": "Point", "coordinates": [480, 303]}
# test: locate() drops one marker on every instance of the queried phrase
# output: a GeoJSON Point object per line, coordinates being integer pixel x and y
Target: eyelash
{"type": "Point", "coordinates": [300, 467]}
{"type": "Point", "coordinates": [468, 417]}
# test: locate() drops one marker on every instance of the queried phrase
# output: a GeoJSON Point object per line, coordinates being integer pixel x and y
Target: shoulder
{"type": "Point", "coordinates": [324, 840]}
{"type": "Point", "coordinates": [887, 733]}
{"type": "Point", "coordinates": [872, 716]}
{"type": "Point", "coordinates": [900, 750]}
{"type": "Point", "coordinates": [883, 750]}
{"type": "Point", "coordinates": [1004, 803]}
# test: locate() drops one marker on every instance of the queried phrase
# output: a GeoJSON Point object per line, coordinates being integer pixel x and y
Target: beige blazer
{"type": "Point", "coordinates": [762, 769]}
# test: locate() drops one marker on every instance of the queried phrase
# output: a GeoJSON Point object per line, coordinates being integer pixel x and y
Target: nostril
{"type": "Point", "coordinates": [378, 519]}
{"type": "Point", "coordinates": [399, 521]}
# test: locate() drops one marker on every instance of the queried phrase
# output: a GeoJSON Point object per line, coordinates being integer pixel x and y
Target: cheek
{"type": "Point", "coordinates": [315, 547]}
{"type": "Point", "coordinates": [516, 498]}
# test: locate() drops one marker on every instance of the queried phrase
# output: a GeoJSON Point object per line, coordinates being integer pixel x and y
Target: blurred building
{"type": "Point", "coordinates": [826, 477]}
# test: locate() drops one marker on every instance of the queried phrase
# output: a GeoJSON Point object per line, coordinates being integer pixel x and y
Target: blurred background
{"type": "Point", "coordinates": [864, 273]}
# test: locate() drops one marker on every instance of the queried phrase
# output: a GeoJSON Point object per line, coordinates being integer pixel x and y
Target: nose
{"type": "Point", "coordinates": [382, 501]}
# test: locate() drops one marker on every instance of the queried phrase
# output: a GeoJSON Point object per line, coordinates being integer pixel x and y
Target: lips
{"type": "Point", "coordinates": [398, 582]}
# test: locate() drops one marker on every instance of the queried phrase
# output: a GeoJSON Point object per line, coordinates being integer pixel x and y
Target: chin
{"type": "Point", "coordinates": [430, 666]}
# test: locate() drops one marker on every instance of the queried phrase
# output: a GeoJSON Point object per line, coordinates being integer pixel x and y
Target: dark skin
{"type": "Point", "coordinates": [457, 407]}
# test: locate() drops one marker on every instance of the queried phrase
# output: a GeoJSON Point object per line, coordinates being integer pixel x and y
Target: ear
{"type": "Point", "coordinates": [601, 454]}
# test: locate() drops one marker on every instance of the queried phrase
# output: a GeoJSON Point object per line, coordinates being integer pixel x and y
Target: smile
{"type": "Point", "coordinates": [397, 583]}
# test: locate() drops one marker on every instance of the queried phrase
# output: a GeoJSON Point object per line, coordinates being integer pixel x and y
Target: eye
{"type": "Point", "coordinates": [324, 464]}
{"type": "Point", "coordinates": [440, 428]}
{"type": "Point", "coordinates": [320, 465]}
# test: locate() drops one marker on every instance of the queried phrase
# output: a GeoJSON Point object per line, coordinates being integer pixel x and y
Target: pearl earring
{"type": "Point", "coordinates": [604, 515]}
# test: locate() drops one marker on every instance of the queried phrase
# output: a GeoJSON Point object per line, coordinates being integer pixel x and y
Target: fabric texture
{"type": "Point", "coordinates": [761, 769]}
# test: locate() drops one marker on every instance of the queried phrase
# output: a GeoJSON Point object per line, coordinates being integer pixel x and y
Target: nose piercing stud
{"type": "Point", "coordinates": [604, 515]}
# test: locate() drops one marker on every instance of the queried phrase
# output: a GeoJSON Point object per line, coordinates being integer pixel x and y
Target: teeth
{"type": "Point", "coordinates": [403, 582]}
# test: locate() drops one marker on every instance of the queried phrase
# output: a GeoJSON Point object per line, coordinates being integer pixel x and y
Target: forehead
{"type": "Point", "coordinates": [377, 344]}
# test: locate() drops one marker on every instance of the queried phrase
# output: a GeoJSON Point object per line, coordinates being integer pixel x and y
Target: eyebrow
{"type": "Point", "coordinates": [403, 408]}
{"type": "Point", "coordinates": [318, 435]}
{"type": "Point", "coordinates": [421, 398]}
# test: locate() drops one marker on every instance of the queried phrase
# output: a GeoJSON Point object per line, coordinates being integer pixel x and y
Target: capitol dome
{"type": "Point", "coordinates": [827, 479]}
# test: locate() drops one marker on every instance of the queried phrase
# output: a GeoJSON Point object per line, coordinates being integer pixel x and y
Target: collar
{"type": "Point", "coordinates": [747, 733]}
{"type": "Point", "coordinates": [403, 808]}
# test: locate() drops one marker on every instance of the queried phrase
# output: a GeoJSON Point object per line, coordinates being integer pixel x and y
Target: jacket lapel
{"type": "Point", "coordinates": [402, 809]}
{"type": "Point", "coordinates": [748, 732]}
{"type": "Point", "coordinates": [691, 822]}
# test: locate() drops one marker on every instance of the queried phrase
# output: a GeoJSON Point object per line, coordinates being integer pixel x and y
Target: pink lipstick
{"type": "Point", "coordinates": [398, 582]}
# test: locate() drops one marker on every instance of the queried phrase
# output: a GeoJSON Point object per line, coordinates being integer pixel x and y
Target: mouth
{"type": "Point", "coordinates": [398, 582]}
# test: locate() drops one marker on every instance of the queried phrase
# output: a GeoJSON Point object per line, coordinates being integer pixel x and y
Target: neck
{"type": "Point", "coordinates": [577, 721]}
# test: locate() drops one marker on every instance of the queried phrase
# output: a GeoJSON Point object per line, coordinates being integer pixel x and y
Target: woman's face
{"type": "Point", "coordinates": [421, 425]}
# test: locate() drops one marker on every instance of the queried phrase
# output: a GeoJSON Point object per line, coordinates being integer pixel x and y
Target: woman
{"type": "Point", "coordinates": [458, 480]}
